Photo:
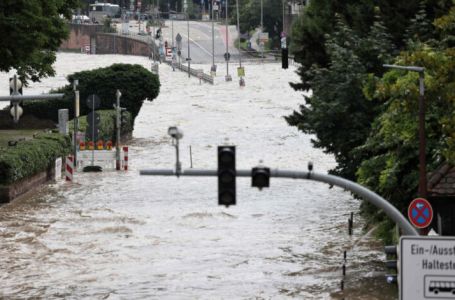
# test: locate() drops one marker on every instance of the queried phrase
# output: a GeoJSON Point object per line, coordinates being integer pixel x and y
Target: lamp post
{"type": "Point", "coordinates": [242, 81]}
{"type": "Point", "coordinates": [213, 69]}
{"type": "Point", "coordinates": [228, 77]}
{"type": "Point", "coordinates": [422, 140]}
{"type": "Point", "coordinates": [189, 56]}
{"type": "Point", "coordinates": [262, 29]}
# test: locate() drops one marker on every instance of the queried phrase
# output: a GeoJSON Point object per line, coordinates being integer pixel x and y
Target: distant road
{"type": "Point", "coordinates": [200, 39]}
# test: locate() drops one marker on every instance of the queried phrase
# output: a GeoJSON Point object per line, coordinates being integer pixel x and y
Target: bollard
{"type": "Point", "coordinates": [350, 223]}
{"type": "Point", "coordinates": [191, 159]}
{"type": "Point", "coordinates": [125, 158]}
{"type": "Point", "coordinates": [69, 167]}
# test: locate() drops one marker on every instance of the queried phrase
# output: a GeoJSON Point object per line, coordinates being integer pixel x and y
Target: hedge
{"type": "Point", "coordinates": [135, 83]}
{"type": "Point", "coordinates": [29, 157]}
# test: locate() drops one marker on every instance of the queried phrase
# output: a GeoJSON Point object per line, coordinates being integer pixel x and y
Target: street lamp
{"type": "Point", "coordinates": [227, 55]}
{"type": "Point", "coordinates": [262, 28]}
{"type": "Point", "coordinates": [422, 140]}
{"type": "Point", "coordinates": [189, 56]}
{"type": "Point", "coordinates": [213, 69]}
{"type": "Point", "coordinates": [242, 81]}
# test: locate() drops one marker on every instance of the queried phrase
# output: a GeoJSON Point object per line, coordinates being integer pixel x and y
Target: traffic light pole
{"type": "Point", "coordinates": [356, 188]}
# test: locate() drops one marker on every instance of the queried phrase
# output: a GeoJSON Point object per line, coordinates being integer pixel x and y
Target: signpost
{"type": "Point", "coordinates": [427, 267]}
{"type": "Point", "coordinates": [93, 120]}
{"type": "Point", "coordinates": [420, 213]}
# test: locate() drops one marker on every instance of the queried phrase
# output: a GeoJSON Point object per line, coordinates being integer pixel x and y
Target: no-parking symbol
{"type": "Point", "coordinates": [420, 213]}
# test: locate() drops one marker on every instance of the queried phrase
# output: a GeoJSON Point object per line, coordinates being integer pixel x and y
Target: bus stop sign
{"type": "Point", "coordinates": [427, 267]}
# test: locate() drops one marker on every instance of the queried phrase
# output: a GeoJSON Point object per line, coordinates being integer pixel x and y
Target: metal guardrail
{"type": "Point", "coordinates": [195, 72]}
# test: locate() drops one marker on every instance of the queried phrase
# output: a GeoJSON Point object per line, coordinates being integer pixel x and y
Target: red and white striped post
{"type": "Point", "coordinates": [69, 167]}
{"type": "Point", "coordinates": [125, 158]}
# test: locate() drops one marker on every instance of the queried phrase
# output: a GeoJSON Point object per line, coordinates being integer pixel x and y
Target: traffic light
{"type": "Point", "coordinates": [260, 177]}
{"type": "Point", "coordinates": [93, 121]}
{"type": "Point", "coordinates": [123, 117]}
{"type": "Point", "coordinates": [284, 58]}
{"type": "Point", "coordinates": [226, 175]}
{"type": "Point", "coordinates": [391, 263]}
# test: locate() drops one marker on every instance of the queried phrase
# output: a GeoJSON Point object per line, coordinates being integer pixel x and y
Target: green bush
{"type": "Point", "coordinates": [135, 83]}
{"type": "Point", "coordinates": [106, 126]}
{"type": "Point", "coordinates": [32, 156]}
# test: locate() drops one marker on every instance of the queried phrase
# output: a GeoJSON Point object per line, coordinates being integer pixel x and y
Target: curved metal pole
{"type": "Point", "coordinates": [390, 210]}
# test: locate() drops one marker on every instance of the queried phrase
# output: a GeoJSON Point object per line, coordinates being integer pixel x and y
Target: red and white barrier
{"type": "Point", "coordinates": [125, 158]}
{"type": "Point", "coordinates": [69, 168]}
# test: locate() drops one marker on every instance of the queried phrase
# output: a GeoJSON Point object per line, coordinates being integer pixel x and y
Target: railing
{"type": "Point", "coordinates": [195, 72]}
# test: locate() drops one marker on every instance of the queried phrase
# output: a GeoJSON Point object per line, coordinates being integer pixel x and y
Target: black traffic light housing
{"type": "Point", "coordinates": [391, 263]}
{"type": "Point", "coordinates": [285, 58]}
{"type": "Point", "coordinates": [260, 177]}
{"type": "Point", "coordinates": [123, 117]}
{"type": "Point", "coordinates": [226, 176]}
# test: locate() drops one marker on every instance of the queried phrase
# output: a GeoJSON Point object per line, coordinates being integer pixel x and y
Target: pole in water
{"type": "Point", "coordinates": [191, 159]}
{"type": "Point", "coordinates": [342, 285]}
{"type": "Point", "coordinates": [350, 223]}
{"type": "Point", "coordinates": [344, 255]}
{"type": "Point", "coordinates": [344, 270]}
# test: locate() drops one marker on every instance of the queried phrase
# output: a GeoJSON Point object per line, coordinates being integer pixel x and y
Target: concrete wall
{"type": "Point", "coordinates": [80, 36]}
{"type": "Point", "coordinates": [83, 35]}
{"type": "Point", "coordinates": [23, 186]}
{"type": "Point", "coordinates": [116, 44]}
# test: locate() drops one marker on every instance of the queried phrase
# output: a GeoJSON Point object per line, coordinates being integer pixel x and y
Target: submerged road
{"type": "Point", "coordinates": [118, 235]}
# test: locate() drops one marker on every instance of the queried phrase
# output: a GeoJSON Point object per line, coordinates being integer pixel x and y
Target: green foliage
{"type": "Point", "coordinates": [134, 82]}
{"type": "Point", "coordinates": [32, 156]}
{"type": "Point", "coordinates": [338, 112]}
{"type": "Point", "coordinates": [250, 17]}
{"type": "Point", "coordinates": [31, 31]}
{"type": "Point", "coordinates": [392, 148]}
{"type": "Point", "coordinates": [106, 126]}
{"type": "Point", "coordinates": [318, 19]}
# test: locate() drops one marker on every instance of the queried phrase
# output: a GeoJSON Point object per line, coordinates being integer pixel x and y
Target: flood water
{"type": "Point", "coordinates": [119, 235]}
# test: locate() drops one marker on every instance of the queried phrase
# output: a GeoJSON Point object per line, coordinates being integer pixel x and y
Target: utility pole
{"type": "Point", "coordinates": [228, 77]}
{"type": "Point", "coordinates": [242, 81]}
{"type": "Point", "coordinates": [189, 56]}
{"type": "Point", "coordinates": [213, 69]}
{"type": "Point", "coordinates": [262, 29]}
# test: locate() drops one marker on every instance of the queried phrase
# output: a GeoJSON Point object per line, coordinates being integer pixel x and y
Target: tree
{"type": "Point", "coordinates": [135, 82]}
{"type": "Point", "coordinates": [250, 17]}
{"type": "Point", "coordinates": [31, 32]}
{"type": "Point", "coordinates": [392, 148]}
{"type": "Point", "coordinates": [318, 19]}
{"type": "Point", "coordinates": [338, 112]}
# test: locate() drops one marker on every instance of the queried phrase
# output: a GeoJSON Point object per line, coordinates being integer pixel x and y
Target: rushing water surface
{"type": "Point", "coordinates": [118, 235]}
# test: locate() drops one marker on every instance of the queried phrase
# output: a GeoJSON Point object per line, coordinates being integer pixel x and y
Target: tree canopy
{"type": "Point", "coordinates": [366, 115]}
{"type": "Point", "coordinates": [31, 31]}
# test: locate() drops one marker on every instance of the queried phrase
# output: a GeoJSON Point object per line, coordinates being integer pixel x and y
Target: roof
{"type": "Point", "coordinates": [442, 182]}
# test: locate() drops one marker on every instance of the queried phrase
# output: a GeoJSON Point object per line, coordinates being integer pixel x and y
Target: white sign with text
{"type": "Point", "coordinates": [427, 267]}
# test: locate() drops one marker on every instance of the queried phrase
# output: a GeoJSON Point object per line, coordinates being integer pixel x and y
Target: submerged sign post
{"type": "Point", "coordinates": [427, 267]}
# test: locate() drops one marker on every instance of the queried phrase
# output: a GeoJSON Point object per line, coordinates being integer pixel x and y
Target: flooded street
{"type": "Point", "coordinates": [118, 235]}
